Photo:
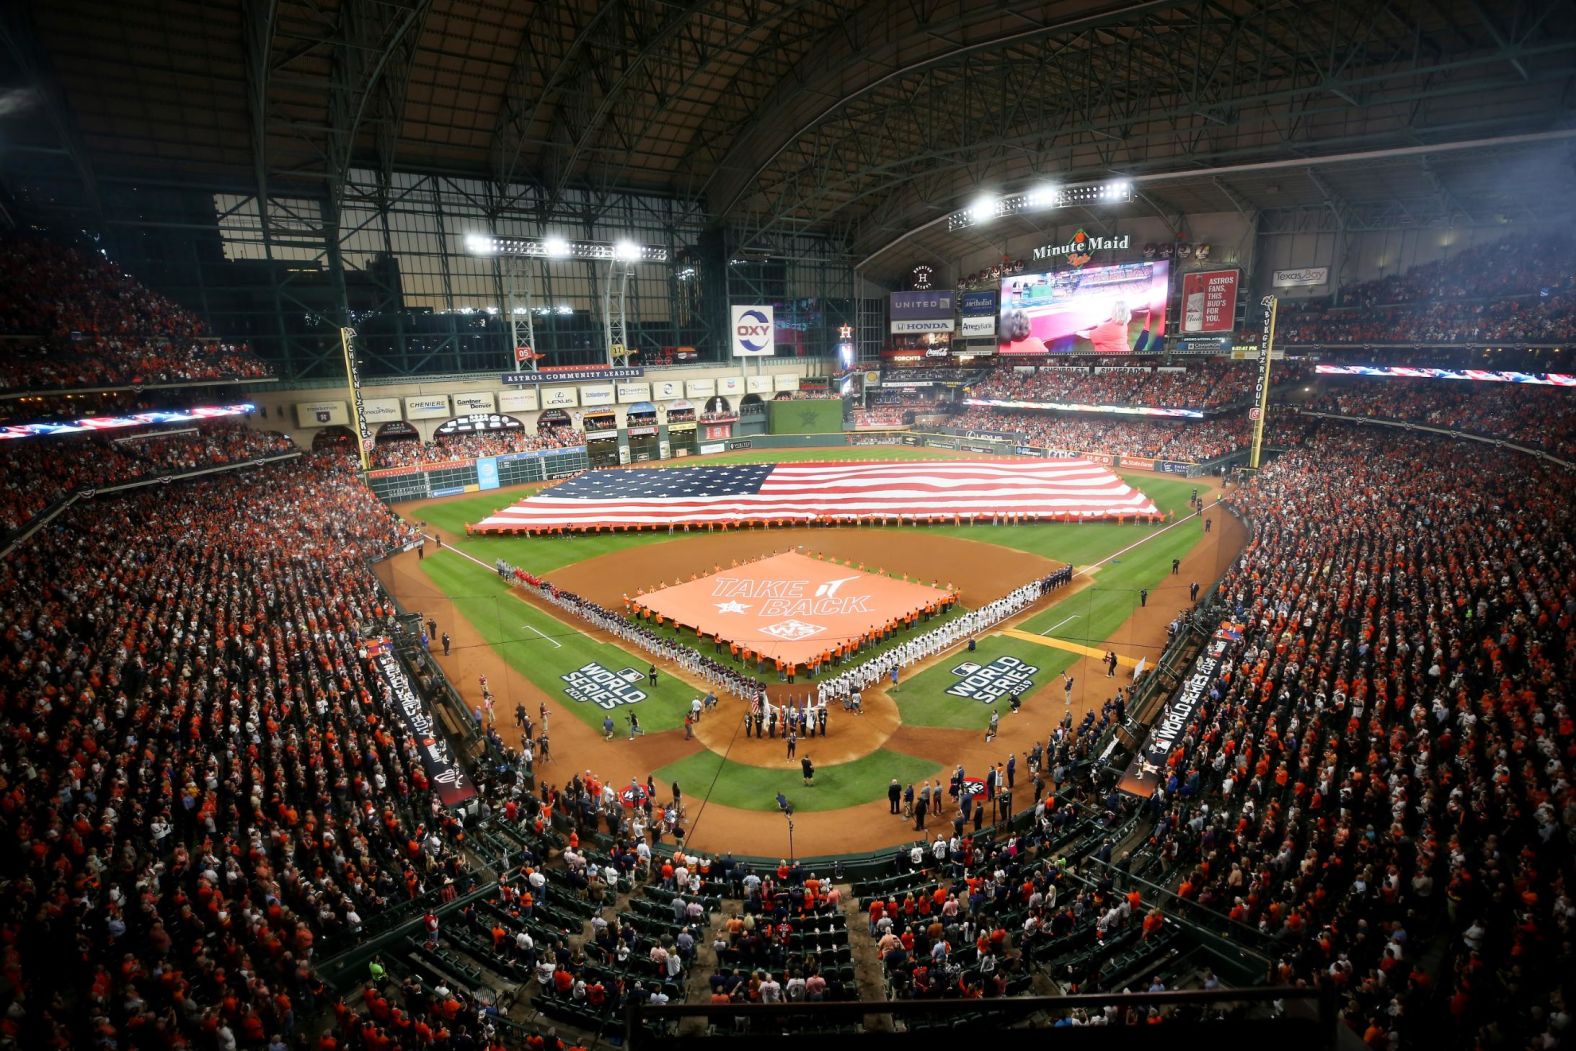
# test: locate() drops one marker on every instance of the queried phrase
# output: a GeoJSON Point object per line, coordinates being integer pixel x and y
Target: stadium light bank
{"type": "Point", "coordinates": [988, 207]}
{"type": "Point", "coordinates": [563, 248]}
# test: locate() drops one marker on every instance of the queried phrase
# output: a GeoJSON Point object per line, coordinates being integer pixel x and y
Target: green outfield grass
{"type": "Point", "coordinates": [539, 556]}
{"type": "Point", "coordinates": [543, 648]}
{"type": "Point", "coordinates": [710, 776]}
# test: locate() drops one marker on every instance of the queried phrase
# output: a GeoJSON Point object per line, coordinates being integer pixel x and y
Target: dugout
{"type": "Point", "coordinates": [601, 427]}
{"type": "Point", "coordinates": [682, 436]}
{"type": "Point", "coordinates": [640, 423]}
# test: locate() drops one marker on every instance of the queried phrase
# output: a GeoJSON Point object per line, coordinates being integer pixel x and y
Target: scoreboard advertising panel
{"type": "Point", "coordinates": [1209, 301]}
{"type": "Point", "coordinates": [1118, 309]}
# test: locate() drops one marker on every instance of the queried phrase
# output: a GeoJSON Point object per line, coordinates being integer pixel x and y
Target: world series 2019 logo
{"type": "Point", "coordinates": [989, 683]}
{"type": "Point", "coordinates": [594, 684]}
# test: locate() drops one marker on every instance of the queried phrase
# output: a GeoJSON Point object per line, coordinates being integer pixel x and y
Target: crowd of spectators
{"type": "Point", "coordinates": [1188, 441]}
{"type": "Point", "coordinates": [1520, 289]}
{"type": "Point", "coordinates": [882, 397]}
{"type": "Point", "coordinates": [43, 470]}
{"type": "Point", "coordinates": [880, 418]}
{"type": "Point", "coordinates": [901, 374]}
{"type": "Point", "coordinates": [90, 324]}
{"type": "Point", "coordinates": [203, 788]}
{"type": "Point", "coordinates": [1380, 773]}
{"type": "Point", "coordinates": [1531, 415]}
{"type": "Point", "coordinates": [412, 453]}
{"type": "Point", "coordinates": [1197, 385]}
{"type": "Point", "coordinates": [1512, 359]}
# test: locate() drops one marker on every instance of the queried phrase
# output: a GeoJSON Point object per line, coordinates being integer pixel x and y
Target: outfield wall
{"type": "Point", "coordinates": [819, 416]}
{"type": "Point", "coordinates": [394, 484]}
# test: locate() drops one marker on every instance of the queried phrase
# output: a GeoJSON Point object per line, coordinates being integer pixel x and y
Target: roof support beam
{"type": "Point", "coordinates": [524, 103]}
{"type": "Point", "coordinates": [1499, 37]}
{"type": "Point", "coordinates": [260, 18]}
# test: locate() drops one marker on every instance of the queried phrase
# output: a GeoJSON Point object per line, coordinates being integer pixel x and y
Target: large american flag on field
{"type": "Point", "coordinates": [806, 492]}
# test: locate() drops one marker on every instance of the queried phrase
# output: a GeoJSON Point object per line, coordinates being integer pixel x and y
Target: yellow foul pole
{"type": "Point", "coordinates": [353, 378]}
{"type": "Point", "coordinates": [1261, 390]}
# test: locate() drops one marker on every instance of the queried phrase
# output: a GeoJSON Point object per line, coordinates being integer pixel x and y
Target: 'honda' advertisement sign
{"type": "Point", "coordinates": [752, 332]}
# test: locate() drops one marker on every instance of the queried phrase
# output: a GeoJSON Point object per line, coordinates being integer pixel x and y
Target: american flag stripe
{"type": "Point", "coordinates": [644, 497]}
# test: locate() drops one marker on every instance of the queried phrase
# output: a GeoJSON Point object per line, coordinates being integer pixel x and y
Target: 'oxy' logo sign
{"type": "Point", "coordinates": [752, 331]}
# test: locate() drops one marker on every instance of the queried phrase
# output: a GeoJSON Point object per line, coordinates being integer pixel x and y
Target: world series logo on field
{"type": "Point", "coordinates": [594, 684]}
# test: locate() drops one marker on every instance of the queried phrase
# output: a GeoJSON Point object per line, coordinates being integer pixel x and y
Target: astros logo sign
{"type": "Point", "coordinates": [752, 331]}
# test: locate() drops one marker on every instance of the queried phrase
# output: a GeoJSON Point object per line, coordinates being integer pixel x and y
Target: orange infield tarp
{"type": "Point", "coordinates": [792, 608]}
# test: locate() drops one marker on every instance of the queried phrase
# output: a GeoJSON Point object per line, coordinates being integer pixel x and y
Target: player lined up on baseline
{"type": "Point", "coordinates": [939, 639]}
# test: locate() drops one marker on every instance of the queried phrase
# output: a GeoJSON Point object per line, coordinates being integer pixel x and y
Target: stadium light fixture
{"type": "Point", "coordinates": [1046, 196]}
{"type": "Point", "coordinates": [566, 310]}
{"type": "Point", "coordinates": [1040, 198]}
{"type": "Point", "coordinates": [555, 247]}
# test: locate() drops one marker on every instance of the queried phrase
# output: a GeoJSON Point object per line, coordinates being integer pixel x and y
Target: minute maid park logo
{"type": "Point", "coordinates": [1082, 247]}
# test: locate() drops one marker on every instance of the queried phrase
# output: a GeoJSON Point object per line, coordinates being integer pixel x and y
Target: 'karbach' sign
{"type": "Point", "coordinates": [787, 598]}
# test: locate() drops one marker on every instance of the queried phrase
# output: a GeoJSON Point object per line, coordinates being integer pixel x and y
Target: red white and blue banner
{"type": "Point", "coordinates": [1409, 372]}
{"type": "Point", "coordinates": [798, 493]}
{"type": "Point", "coordinates": [136, 419]}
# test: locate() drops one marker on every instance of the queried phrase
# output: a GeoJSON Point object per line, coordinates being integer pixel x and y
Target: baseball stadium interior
{"type": "Point", "coordinates": [549, 525]}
